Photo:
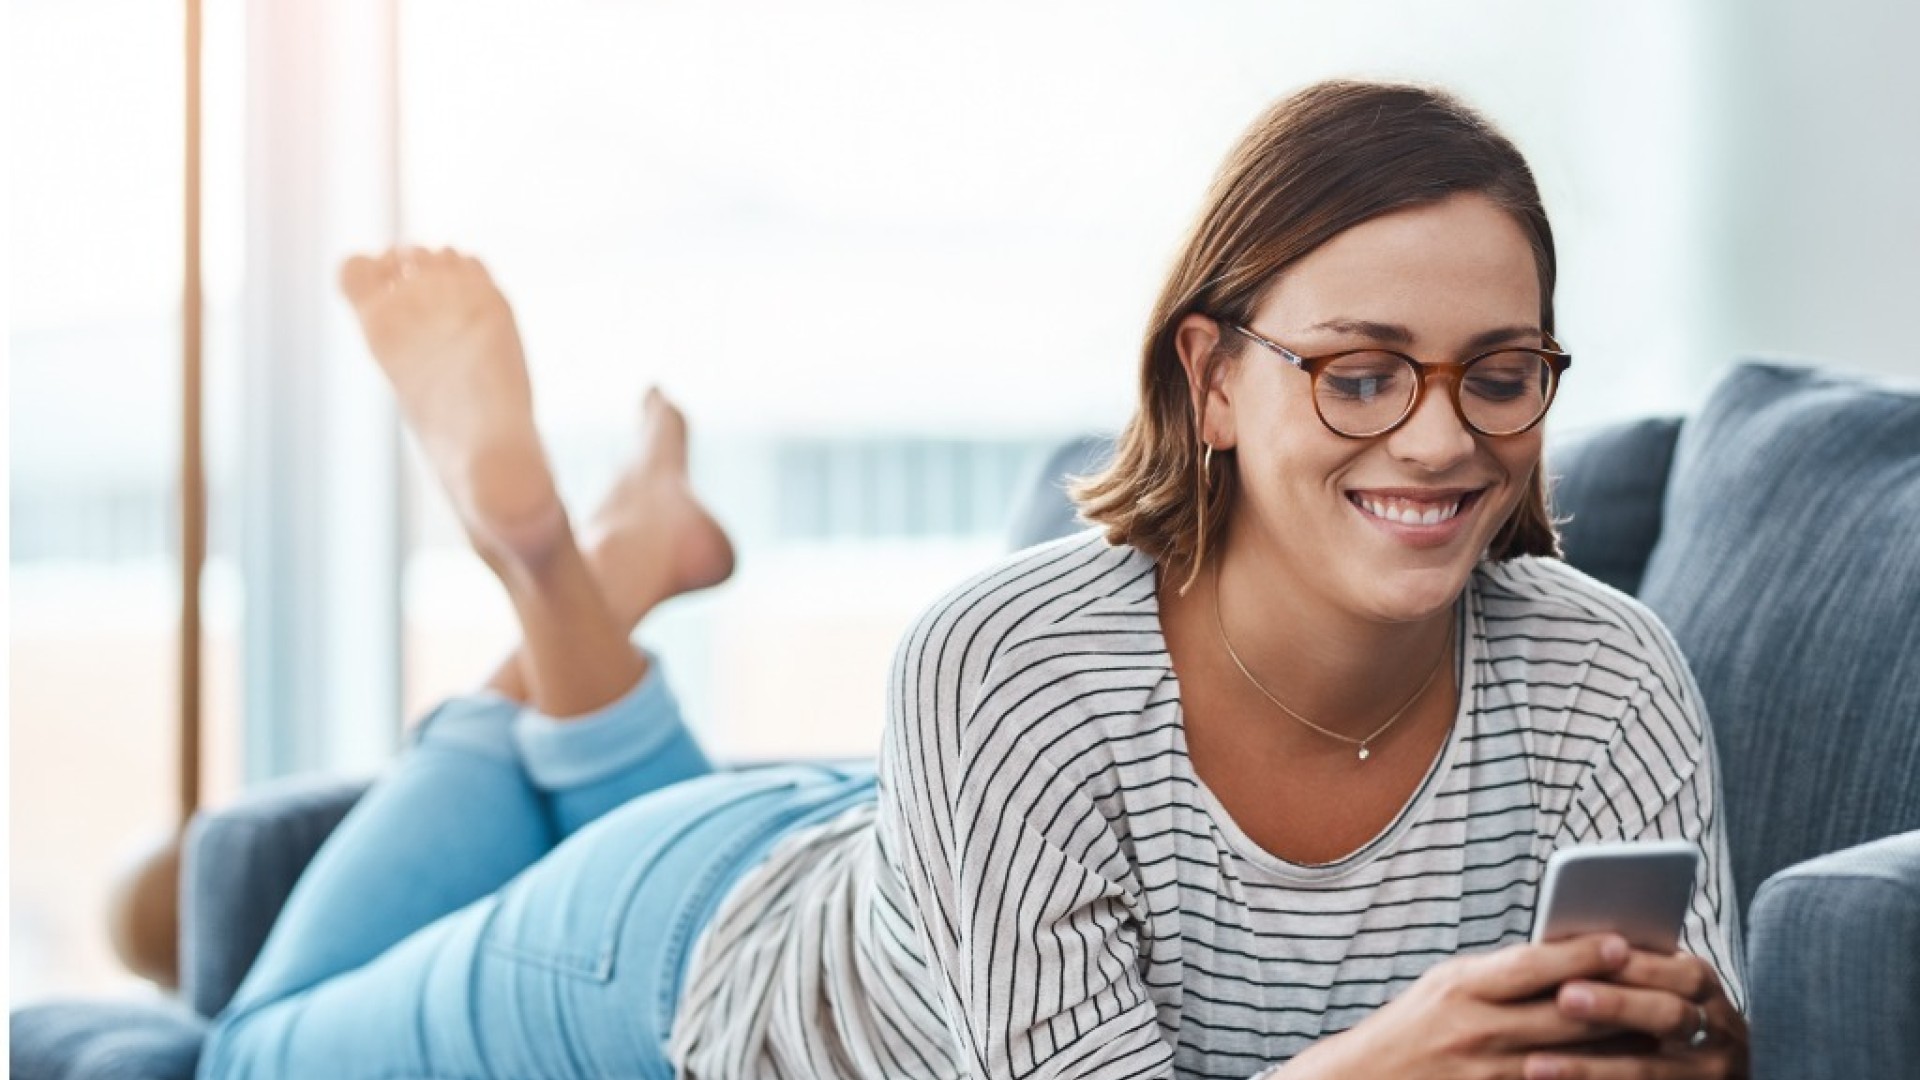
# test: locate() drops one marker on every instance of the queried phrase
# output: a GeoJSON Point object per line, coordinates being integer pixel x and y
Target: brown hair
{"type": "Point", "coordinates": [1314, 165]}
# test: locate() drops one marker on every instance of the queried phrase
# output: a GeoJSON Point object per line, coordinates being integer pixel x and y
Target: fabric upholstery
{"type": "Point", "coordinates": [1789, 572]}
{"type": "Point", "coordinates": [237, 868]}
{"type": "Point", "coordinates": [1044, 512]}
{"type": "Point", "coordinates": [1834, 959]}
{"type": "Point", "coordinates": [102, 1040]}
{"type": "Point", "coordinates": [1607, 490]}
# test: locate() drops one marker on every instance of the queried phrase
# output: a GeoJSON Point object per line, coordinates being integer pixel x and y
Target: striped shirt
{"type": "Point", "coordinates": [1044, 887]}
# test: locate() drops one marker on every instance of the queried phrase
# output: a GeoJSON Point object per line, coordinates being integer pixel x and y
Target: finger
{"type": "Point", "coordinates": [1657, 1012]}
{"type": "Point", "coordinates": [1524, 971]}
{"type": "Point", "coordinates": [1536, 1024]}
{"type": "Point", "coordinates": [1564, 1066]}
{"type": "Point", "coordinates": [1681, 973]}
{"type": "Point", "coordinates": [1621, 1044]}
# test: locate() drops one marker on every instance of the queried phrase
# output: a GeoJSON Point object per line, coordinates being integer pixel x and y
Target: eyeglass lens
{"type": "Point", "coordinates": [1500, 393]}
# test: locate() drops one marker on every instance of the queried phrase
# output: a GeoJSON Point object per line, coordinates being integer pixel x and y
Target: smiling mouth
{"type": "Point", "coordinates": [1402, 510]}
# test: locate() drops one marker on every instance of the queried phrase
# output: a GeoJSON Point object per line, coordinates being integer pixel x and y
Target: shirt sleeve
{"type": "Point", "coordinates": [1660, 780]}
{"type": "Point", "coordinates": [1026, 903]}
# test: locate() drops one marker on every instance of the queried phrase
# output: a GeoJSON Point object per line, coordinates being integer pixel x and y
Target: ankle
{"type": "Point", "coordinates": [524, 550]}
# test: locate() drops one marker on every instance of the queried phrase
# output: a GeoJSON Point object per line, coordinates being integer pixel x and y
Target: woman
{"type": "Point", "coordinates": [1258, 779]}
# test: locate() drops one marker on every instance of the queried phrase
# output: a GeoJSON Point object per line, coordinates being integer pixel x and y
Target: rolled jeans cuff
{"type": "Point", "coordinates": [610, 740]}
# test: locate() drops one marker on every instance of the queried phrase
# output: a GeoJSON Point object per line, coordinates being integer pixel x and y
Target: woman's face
{"type": "Point", "coordinates": [1439, 282]}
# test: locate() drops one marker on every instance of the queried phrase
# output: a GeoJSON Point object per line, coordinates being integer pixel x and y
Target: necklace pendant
{"type": "Point", "coordinates": [1363, 753]}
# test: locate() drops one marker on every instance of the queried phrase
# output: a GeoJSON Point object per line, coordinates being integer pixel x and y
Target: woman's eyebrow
{"type": "Point", "coordinates": [1503, 336]}
{"type": "Point", "coordinates": [1367, 328]}
{"type": "Point", "coordinates": [1392, 334]}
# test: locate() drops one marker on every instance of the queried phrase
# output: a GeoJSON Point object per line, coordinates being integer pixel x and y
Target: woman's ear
{"type": "Point", "coordinates": [1207, 365]}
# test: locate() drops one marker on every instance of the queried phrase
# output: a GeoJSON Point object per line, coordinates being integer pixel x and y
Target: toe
{"type": "Point", "coordinates": [392, 265]}
{"type": "Point", "coordinates": [411, 260]}
{"type": "Point", "coordinates": [361, 277]}
{"type": "Point", "coordinates": [657, 410]}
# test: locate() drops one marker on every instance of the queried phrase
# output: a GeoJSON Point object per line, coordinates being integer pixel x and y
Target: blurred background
{"type": "Point", "coordinates": [885, 255]}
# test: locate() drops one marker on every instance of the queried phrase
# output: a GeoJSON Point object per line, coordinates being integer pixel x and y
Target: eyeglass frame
{"type": "Point", "coordinates": [1557, 360]}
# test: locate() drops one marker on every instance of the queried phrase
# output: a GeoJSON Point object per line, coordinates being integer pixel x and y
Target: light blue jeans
{"type": "Point", "coordinates": [516, 897]}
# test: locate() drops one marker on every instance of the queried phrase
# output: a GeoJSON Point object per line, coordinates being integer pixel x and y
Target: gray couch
{"type": "Point", "coordinates": [1777, 533]}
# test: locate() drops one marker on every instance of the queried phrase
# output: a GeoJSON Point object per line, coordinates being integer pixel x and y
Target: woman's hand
{"type": "Point", "coordinates": [1484, 1016]}
{"type": "Point", "coordinates": [1671, 999]}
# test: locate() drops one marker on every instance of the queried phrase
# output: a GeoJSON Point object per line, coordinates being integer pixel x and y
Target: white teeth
{"type": "Point", "coordinates": [1408, 513]}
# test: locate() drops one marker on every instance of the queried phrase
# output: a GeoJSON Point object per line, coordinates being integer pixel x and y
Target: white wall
{"type": "Point", "coordinates": [1812, 186]}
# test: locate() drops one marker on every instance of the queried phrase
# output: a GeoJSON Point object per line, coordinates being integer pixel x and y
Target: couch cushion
{"type": "Point", "coordinates": [1608, 489]}
{"type": "Point", "coordinates": [1789, 571]}
{"type": "Point", "coordinates": [104, 1040]}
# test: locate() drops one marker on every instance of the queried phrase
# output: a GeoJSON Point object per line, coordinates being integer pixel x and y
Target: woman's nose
{"type": "Point", "coordinates": [1435, 437]}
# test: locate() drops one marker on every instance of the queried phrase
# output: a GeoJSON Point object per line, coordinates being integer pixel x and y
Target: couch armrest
{"type": "Point", "coordinates": [238, 865]}
{"type": "Point", "coordinates": [1832, 947]}
{"type": "Point", "coordinates": [104, 1040]}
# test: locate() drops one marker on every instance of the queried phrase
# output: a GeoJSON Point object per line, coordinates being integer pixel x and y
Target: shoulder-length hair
{"type": "Point", "coordinates": [1314, 165]}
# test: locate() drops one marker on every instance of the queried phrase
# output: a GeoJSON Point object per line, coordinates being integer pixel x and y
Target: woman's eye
{"type": "Point", "coordinates": [1505, 377]}
{"type": "Point", "coordinates": [1364, 381]}
{"type": "Point", "coordinates": [1496, 389]}
{"type": "Point", "coordinates": [1354, 388]}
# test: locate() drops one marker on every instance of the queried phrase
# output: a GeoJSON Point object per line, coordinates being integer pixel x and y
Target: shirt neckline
{"type": "Point", "coordinates": [1467, 614]}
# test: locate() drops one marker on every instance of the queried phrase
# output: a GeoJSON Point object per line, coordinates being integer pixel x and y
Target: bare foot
{"type": "Point", "coordinates": [446, 339]}
{"type": "Point", "coordinates": [651, 539]}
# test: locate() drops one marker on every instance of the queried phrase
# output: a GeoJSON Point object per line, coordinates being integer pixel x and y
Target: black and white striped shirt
{"type": "Point", "coordinates": [1045, 887]}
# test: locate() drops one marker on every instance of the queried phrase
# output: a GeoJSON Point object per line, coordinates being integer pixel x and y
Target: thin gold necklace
{"type": "Point", "coordinates": [1221, 621]}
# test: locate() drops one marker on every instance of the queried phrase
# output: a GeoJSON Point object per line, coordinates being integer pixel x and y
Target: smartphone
{"type": "Point", "coordinates": [1638, 889]}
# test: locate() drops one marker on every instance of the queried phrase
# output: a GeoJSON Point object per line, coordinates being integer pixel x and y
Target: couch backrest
{"type": "Point", "coordinates": [1043, 512]}
{"type": "Point", "coordinates": [1608, 492]}
{"type": "Point", "coordinates": [1788, 568]}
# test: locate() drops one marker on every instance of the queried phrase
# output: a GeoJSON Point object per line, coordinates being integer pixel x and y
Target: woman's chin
{"type": "Point", "coordinates": [1412, 595]}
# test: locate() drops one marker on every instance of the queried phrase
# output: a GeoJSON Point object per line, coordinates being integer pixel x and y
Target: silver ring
{"type": "Point", "coordinates": [1700, 1033]}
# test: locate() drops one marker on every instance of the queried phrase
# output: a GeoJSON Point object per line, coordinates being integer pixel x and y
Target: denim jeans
{"type": "Point", "coordinates": [516, 897]}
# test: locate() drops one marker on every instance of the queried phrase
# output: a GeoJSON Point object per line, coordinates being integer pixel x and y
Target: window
{"type": "Point", "coordinates": [94, 422]}
{"type": "Point", "coordinates": [882, 277]}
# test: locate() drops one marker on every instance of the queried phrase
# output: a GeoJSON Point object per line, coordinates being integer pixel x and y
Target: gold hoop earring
{"type": "Point", "coordinates": [1206, 464]}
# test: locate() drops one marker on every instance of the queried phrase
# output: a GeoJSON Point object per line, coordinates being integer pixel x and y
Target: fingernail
{"type": "Point", "coordinates": [1545, 1069]}
{"type": "Point", "coordinates": [1578, 999]}
{"type": "Point", "coordinates": [1613, 950]}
